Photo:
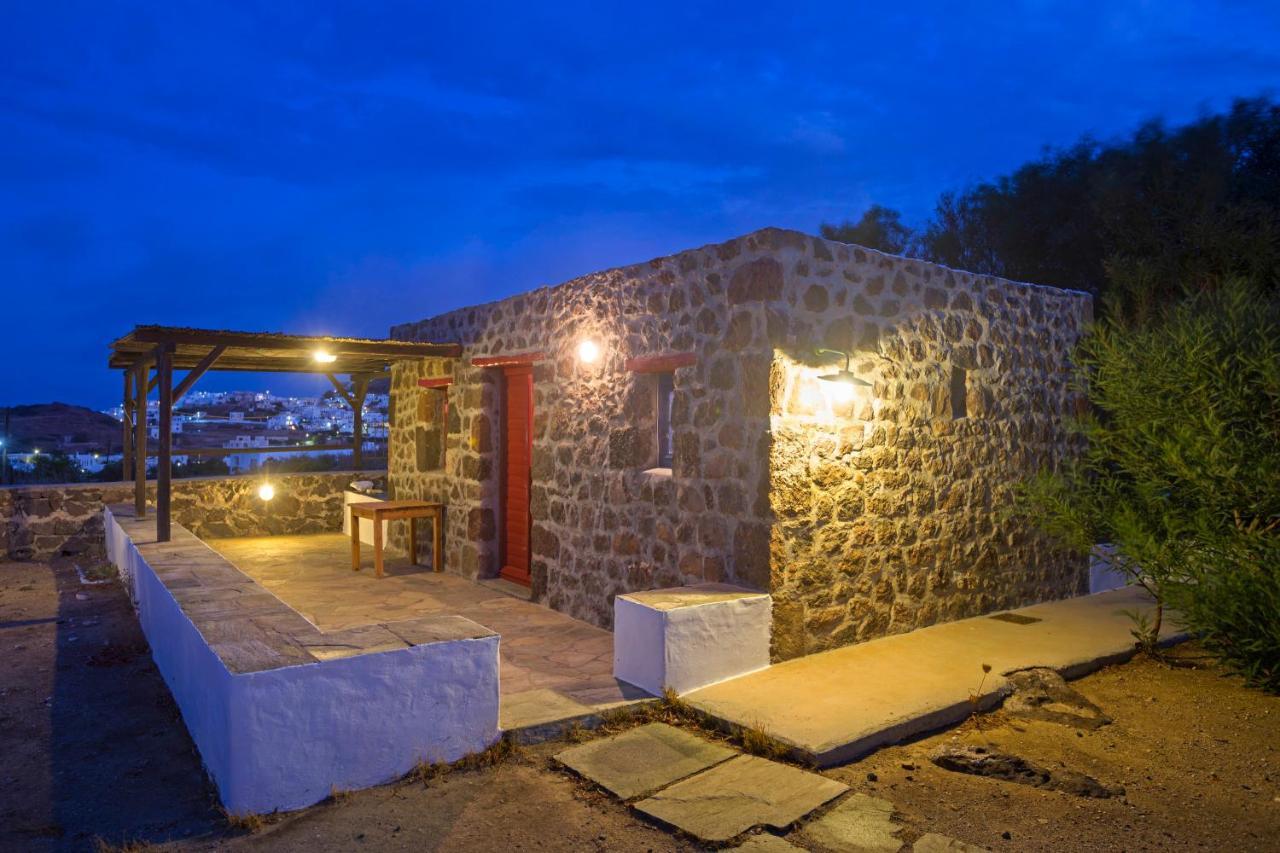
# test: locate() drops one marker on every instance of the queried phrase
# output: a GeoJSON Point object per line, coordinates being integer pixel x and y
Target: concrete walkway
{"type": "Point", "coordinates": [835, 706]}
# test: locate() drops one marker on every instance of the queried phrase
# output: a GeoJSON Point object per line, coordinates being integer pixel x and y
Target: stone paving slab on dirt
{"type": "Point", "coordinates": [932, 842]}
{"type": "Point", "coordinates": [732, 797]}
{"type": "Point", "coordinates": [643, 759]}
{"type": "Point", "coordinates": [835, 706]}
{"type": "Point", "coordinates": [535, 707]}
{"type": "Point", "coordinates": [860, 823]}
{"type": "Point", "coordinates": [766, 843]}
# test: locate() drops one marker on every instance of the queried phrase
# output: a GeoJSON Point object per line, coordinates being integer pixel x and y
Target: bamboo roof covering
{"type": "Point", "coordinates": [271, 352]}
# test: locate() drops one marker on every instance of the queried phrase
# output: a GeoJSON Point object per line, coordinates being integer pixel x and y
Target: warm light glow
{"type": "Point", "coordinates": [324, 357]}
{"type": "Point", "coordinates": [839, 392]}
{"type": "Point", "coordinates": [588, 352]}
{"type": "Point", "coordinates": [266, 491]}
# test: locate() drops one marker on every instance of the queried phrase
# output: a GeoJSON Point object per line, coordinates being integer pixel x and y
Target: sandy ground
{"type": "Point", "coordinates": [92, 746]}
{"type": "Point", "coordinates": [1198, 756]}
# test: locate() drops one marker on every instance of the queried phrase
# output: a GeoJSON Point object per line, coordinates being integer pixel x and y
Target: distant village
{"type": "Point", "coordinates": [253, 421]}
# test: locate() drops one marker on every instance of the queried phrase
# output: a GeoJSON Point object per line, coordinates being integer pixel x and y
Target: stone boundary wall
{"type": "Point", "coordinates": [38, 522]}
{"type": "Point", "coordinates": [875, 520]}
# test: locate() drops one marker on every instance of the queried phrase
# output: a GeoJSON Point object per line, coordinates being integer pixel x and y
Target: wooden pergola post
{"type": "Point", "coordinates": [126, 459]}
{"type": "Point", "coordinates": [357, 452]}
{"type": "Point", "coordinates": [140, 438]}
{"type": "Point", "coordinates": [164, 458]}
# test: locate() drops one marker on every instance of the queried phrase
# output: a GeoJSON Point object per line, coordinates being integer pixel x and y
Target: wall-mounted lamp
{"type": "Point", "coordinates": [842, 381]}
{"type": "Point", "coordinates": [324, 357]}
{"type": "Point", "coordinates": [588, 352]}
{"type": "Point", "coordinates": [266, 491]}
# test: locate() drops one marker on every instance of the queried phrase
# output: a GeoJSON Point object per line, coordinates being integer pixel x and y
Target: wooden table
{"type": "Point", "coordinates": [411, 511]}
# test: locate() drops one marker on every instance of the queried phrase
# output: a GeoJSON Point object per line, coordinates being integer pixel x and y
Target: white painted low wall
{"type": "Point", "coordinates": [366, 525]}
{"type": "Point", "coordinates": [1103, 575]}
{"type": "Point", "coordinates": [689, 637]}
{"type": "Point", "coordinates": [284, 738]}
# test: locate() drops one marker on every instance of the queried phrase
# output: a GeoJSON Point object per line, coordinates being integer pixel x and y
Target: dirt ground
{"type": "Point", "coordinates": [91, 746]}
{"type": "Point", "coordinates": [1197, 753]}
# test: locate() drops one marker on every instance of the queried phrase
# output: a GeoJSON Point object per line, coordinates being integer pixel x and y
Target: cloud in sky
{"type": "Point", "coordinates": [308, 166]}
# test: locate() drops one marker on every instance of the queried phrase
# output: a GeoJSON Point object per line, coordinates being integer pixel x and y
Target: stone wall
{"type": "Point", "coordinates": [42, 521]}
{"type": "Point", "coordinates": [881, 514]}
{"type": "Point", "coordinates": [890, 507]}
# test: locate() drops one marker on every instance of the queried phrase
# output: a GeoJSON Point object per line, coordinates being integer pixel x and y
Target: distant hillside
{"type": "Point", "coordinates": [60, 426]}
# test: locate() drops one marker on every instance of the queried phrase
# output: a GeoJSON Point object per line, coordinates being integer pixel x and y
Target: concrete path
{"type": "Point", "coordinates": [835, 706]}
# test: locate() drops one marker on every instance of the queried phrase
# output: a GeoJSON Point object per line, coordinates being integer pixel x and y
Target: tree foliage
{"type": "Point", "coordinates": [1137, 222]}
{"type": "Point", "coordinates": [1181, 471]}
{"type": "Point", "coordinates": [879, 228]}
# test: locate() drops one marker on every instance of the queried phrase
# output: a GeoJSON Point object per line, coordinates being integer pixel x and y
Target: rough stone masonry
{"type": "Point", "coordinates": [863, 517]}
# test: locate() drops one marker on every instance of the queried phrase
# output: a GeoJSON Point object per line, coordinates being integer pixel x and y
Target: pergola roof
{"type": "Point", "coordinates": [270, 351]}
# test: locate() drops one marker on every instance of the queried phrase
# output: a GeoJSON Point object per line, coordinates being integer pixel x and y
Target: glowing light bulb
{"type": "Point", "coordinates": [323, 357]}
{"type": "Point", "coordinates": [588, 352]}
{"type": "Point", "coordinates": [841, 392]}
{"type": "Point", "coordinates": [266, 491]}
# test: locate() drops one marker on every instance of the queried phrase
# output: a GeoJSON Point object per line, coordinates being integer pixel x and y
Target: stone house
{"type": "Point", "coordinates": [667, 423]}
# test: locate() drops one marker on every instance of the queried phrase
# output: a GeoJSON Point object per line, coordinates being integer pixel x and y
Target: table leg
{"type": "Point", "coordinates": [437, 539]}
{"type": "Point", "coordinates": [413, 541]}
{"type": "Point", "coordinates": [355, 542]}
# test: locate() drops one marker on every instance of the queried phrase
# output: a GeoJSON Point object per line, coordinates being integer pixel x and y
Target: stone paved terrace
{"type": "Point", "coordinates": [251, 630]}
{"type": "Point", "coordinates": [553, 667]}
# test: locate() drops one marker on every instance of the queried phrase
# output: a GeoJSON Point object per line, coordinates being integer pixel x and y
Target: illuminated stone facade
{"type": "Point", "coordinates": [863, 517]}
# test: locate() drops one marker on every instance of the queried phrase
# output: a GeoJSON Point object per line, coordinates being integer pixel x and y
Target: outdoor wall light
{"type": "Point", "coordinates": [324, 357]}
{"type": "Point", "coordinates": [845, 378]}
{"type": "Point", "coordinates": [588, 352]}
{"type": "Point", "coordinates": [266, 491]}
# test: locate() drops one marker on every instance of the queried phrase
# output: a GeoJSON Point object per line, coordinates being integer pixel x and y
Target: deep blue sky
{"type": "Point", "coordinates": [318, 167]}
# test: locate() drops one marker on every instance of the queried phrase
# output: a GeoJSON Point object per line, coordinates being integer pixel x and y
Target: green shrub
{"type": "Point", "coordinates": [1182, 468]}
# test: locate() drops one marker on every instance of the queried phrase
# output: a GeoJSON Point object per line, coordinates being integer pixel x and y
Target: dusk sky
{"type": "Point", "coordinates": [337, 168]}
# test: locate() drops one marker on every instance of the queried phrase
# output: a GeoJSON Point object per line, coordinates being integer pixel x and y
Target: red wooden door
{"type": "Point", "coordinates": [516, 467]}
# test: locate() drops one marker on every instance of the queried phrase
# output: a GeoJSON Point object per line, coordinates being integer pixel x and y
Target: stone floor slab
{"type": "Point", "coordinates": [536, 707]}
{"type": "Point", "coordinates": [860, 824]}
{"type": "Point", "coordinates": [766, 843]}
{"type": "Point", "coordinates": [732, 797]}
{"type": "Point", "coordinates": [932, 842]}
{"type": "Point", "coordinates": [553, 667]}
{"type": "Point", "coordinates": [838, 705]}
{"type": "Point", "coordinates": [643, 759]}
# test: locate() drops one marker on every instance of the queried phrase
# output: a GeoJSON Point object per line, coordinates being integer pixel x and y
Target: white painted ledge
{"type": "Point", "coordinates": [280, 736]}
{"type": "Point", "coordinates": [1103, 575]}
{"type": "Point", "coordinates": [688, 637]}
{"type": "Point", "coordinates": [366, 525]}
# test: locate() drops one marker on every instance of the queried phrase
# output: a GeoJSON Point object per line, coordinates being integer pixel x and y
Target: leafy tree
{"type": "Point", "coordinates": [1137, 222]}
{"type": "Point", "coordinates": [1181, 468]}
{"type": "Point", "coordinates": [879, 228]}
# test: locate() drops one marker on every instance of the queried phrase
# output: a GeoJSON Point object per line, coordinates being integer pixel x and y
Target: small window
{"type": "Point", "coordinates": [666, 435]}
{"type": "Point", "coordinates": [432, 428]}
{"type": "Point", "coordinates": [959, 393]}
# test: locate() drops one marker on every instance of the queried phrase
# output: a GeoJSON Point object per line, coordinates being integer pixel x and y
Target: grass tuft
{"type": "Point", "coordinates": [246, 822]}
{"type": "Point", "coordinates": [755, 740]}
{"type": "Point", "coordinates": [101, 845]}
{"type": "Point", "coordinates": [502, 750]}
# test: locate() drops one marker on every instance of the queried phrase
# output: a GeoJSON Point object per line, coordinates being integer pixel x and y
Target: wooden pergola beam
{"type": "Point", "coordinates": [196, 372]}
{"type": "Point", "coordinates": [341, 389]}
{"type": "Point", "coordinates": [272, 341]}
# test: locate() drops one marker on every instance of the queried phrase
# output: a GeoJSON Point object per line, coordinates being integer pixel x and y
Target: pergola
{"type": "Point", "coordinates": [149, 355]}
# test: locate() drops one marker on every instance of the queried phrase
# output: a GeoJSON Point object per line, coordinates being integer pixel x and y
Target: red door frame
{"type": "Point", "coordinates": [516, 520]}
